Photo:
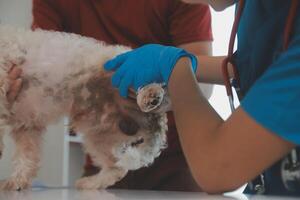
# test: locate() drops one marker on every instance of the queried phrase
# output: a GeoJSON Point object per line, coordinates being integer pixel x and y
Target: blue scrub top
{"type": "Point", "coordinates": [270, 78]}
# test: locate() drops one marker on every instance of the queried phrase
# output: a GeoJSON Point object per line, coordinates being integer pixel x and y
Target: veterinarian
{"type": "Point", "coordinates": [134, 23]}
{"type": "Point", "coordinates": [257, 143]}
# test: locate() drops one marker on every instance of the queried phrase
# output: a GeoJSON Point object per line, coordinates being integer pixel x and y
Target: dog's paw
{"type": "Point", "coordinates": [102, 180]}
{"type": "Point", "coordinates": [150, 97]}
{"type": "Point", "coordinates": [14, 184]}
{"type": "Point", "coordinates": [89, 183]}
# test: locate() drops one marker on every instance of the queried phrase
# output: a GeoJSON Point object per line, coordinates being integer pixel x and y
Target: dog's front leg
{"type": "Point", "coordinates": [26, 159]}
{"type": "Point", "coordinates": [107, 176]}
{"type": "Point", "coordinates": [101, 154]}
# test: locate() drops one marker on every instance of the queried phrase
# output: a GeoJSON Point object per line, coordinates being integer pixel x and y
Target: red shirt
{"type": "Point", "coordinates": [133, 23]}
{"type": "Point", "coordinates": [168, 22]}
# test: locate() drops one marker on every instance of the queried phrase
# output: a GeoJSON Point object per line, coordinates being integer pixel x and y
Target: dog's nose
{"type": "Point", "coordinates": [128, 126]}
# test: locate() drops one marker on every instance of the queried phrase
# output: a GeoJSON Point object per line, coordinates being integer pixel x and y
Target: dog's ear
{"type": "Point", "coordinates": [154, 98]}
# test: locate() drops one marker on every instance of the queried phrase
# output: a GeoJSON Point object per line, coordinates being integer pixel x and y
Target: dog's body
{"type": "Point", "coordinates": [63, 76]}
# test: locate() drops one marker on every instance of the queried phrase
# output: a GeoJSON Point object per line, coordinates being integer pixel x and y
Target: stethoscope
{"type": "Point", "coordinates": [290, 167]}
{"type": "Point", "coordinates": [234, 82]}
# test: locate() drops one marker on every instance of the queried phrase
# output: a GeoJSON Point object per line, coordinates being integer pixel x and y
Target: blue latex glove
{"type": "Point", "coordinates": [152, 63]}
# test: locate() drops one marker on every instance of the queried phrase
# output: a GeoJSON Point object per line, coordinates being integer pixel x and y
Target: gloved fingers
{"type": "Point", "coordinates": [140, 81]}
{"type": "Point", "coordinates": [116, 78]}
{"type": "Point", "coordinates": [116, 62]}
{"type": "Point", "coordinates": [125, 84]}
{"type": "Point", "coordinates": [145, 77]}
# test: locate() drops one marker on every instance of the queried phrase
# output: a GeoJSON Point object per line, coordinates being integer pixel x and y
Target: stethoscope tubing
{"type": "Point", "coordinates": [228, 81]}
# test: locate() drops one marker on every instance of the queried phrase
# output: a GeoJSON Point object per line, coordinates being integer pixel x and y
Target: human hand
{"type": "Point", "coordinates": [15, 83]}
{"type": "Point", "coordinates": [152, 63]}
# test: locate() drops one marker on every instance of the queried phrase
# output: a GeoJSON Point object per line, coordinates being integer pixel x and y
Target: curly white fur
{"type": "Point", "coordinates": [63, 75]}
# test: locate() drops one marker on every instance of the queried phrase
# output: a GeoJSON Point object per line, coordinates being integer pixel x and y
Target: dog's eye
{"type": "Point", "coordinates": [128, 126]}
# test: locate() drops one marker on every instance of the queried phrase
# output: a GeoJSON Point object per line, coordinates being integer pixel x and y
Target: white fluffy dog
{"type": "Point", "coordinates": [63, 76]}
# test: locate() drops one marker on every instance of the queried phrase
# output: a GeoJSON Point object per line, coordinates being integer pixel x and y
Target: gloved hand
{"type": "Point", "coordinates": [152, 63]}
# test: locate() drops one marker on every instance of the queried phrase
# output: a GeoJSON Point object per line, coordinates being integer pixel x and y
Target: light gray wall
{"type": "Point", "coordinates": [15, 12]}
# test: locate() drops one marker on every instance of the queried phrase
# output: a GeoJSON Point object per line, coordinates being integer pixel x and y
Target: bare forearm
{"type": "Point", "coordinates": [219, 153]}
{"type": "Point", "coordinates": [195, 103]}
{"type": "Point", "coordinates": [195, 119]}
{"type": "Point", "coordinates": [203, 48]}
{"type": "Point", "coordinates": [210, 69]}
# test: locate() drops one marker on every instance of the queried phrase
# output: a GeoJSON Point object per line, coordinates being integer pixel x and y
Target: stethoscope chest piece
{"type": "Point", "coordinates": [290, 171]}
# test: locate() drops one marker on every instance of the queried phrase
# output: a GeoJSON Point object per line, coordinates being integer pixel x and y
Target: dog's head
{"type": "Point", "coordinates": [136, 137]}
{"type": "Point", "coordinates": [146, 134]}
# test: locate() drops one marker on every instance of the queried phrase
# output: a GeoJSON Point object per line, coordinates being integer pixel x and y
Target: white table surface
{"type": "Point", "coordinates": [72, 194]}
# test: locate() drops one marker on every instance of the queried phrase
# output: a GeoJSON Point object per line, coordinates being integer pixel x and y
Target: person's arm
{"type": "Point", "coordinates": [222, 155]}
{"type": "Point", "coordinates": [203, 48]}
{"type": "Point", "coordinates": [198, 47]}
{"type": "Point", "coordinates": [217, 5]}
{"type": "Point", "coordinates": [190, 28]}
{"type": "Point", "coordinates": [15, 83]}
{"type": "Point", "coordinates": [199, 41]}
{"type": "Point", "coordinates": [220, 5]}
{"type": "Point", "coordinates": [209, 67]}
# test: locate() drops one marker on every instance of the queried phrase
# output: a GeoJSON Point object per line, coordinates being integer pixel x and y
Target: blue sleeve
{"type": "Point", "coordinates": [274, 100]}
